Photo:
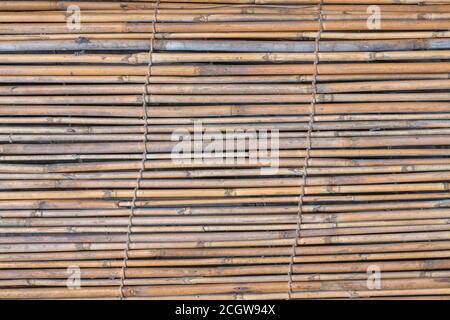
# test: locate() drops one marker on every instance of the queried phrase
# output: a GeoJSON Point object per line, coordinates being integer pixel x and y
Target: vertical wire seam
{"type": "Point", "coordinates": [144, 152]}
{"type": "Point", "coordinates": [307, 149]}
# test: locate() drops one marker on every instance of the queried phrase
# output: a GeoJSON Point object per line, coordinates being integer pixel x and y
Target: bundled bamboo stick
{"type": "Point", "coordinates": [331, 162]}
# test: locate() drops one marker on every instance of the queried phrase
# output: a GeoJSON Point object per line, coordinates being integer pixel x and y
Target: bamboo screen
{"type": "Point", "coordinates": [225, 149]}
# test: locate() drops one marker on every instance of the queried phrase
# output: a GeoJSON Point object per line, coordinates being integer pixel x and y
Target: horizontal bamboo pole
{"type": "Point", "coordinates": [251, 89]}
{"type": "Point", "coordinates": [142, 58]}
{"type": "Point", "coordinates": [332, 35]}
{"type": "Point", "coordinates": [345, 110]}
{"type": "Point", "coordinates": [17, 28]}
{"type": "Point", "coordinates": [216, 45]}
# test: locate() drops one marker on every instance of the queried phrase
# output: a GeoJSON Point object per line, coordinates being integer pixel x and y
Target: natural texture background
{"type": "Point", "coordinates": [363, 113]}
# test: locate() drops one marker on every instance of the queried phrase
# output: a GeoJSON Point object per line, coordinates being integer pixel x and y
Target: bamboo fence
{"type": "Point", "coordinates": [93, 204]}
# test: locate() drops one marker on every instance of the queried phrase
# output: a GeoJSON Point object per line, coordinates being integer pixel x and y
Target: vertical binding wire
{"type": "Point", "coordinates": [144, 152]}
{"type": "Point", "coordinates": [307, 147]}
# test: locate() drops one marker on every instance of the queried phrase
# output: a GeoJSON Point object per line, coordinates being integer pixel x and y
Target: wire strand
{"type": "Point", "coordinates": [144, 152]}
{"type": "Point", "coordinates": [307, 149]}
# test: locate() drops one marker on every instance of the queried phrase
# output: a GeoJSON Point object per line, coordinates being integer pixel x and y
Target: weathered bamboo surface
{"type": "Point", "coordinates": [94, 205]}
